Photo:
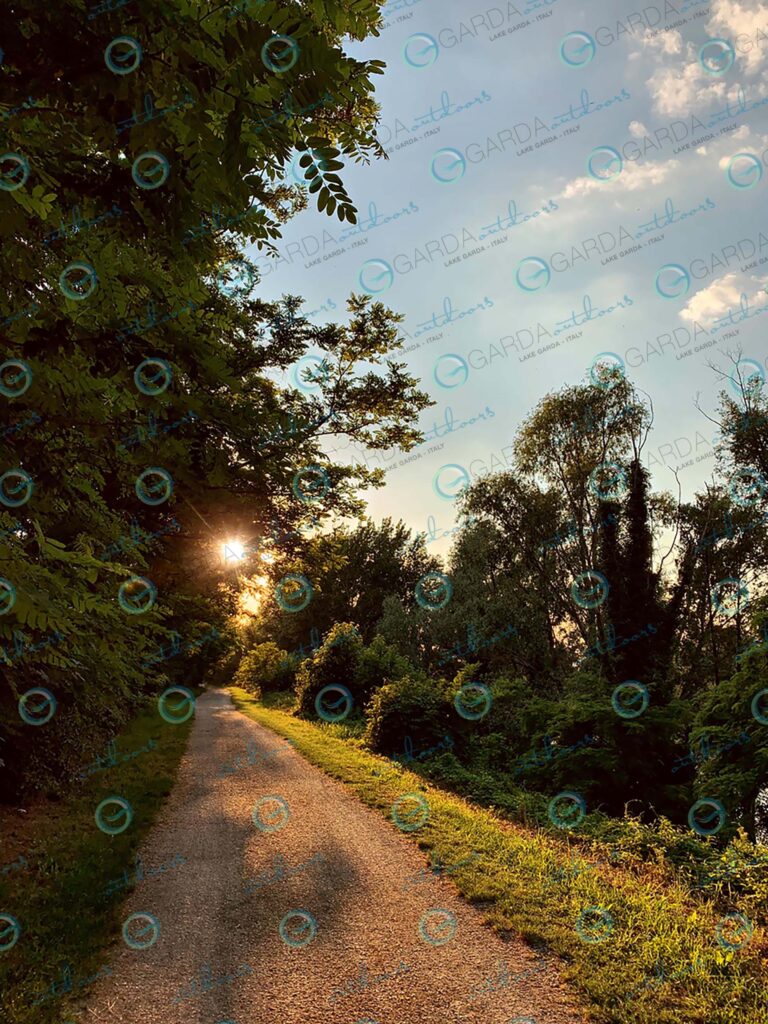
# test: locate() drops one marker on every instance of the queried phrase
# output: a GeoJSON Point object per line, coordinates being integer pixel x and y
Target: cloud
{"type": "Point", "coordinates": [746, 25]}
{"type": "Point", "coordinates": [725, 293]}
{"type": "Point", "coordinates": [634, 176]}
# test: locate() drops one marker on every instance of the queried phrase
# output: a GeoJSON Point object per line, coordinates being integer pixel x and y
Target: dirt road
{"type": "Point", "coordinates": [360, 950]}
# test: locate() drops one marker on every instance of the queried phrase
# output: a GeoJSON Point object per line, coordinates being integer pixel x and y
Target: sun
{"type": "Point", "coordinates": [233, 551]}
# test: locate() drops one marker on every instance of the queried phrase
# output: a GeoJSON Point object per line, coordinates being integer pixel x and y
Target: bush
{"type": "Point", "coordinates": [335, 662]}
{"type": "Point", "coordinates": [410, 713]}
{"type": "Point", "coordinates": [266, 667]}
{"type": "Point", "coordinates": [378, 664]}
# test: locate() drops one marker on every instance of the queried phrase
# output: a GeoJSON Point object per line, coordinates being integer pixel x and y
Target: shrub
{"type": "Point", "coordinates": [335, 662]}
{"type": "Point", "coordinates": [378, 664]}
{"type": "Point", "coordinates": [266, 667]}
{"type": "Point", "coordinates": [414, 707]}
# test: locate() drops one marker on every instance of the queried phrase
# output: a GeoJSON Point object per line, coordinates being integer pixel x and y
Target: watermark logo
{"type": "Point", "coordinates": [744, 170]}
{"type": "Point", "coordinates": [608, 481]}
{"type": "Point", "coordinates": [729, 597]}
{"type": "Point", "coordinates": [748, 376]}
{"type": "Point", "coordinates": [141, 930]}
{"type": "Point", "coordinates": [154, 486]}
{"type": "Point", "coordinates": [176, 704]}
{"type": "Point", "coordinates": [759, 707]}
{"type": "Point", "coordinates": [630, 699]}
{"type": "Point", "coordinates": [294, 592]}
{"type": "Point", "coordinates": [438, 926]}
{"type": "Point", "coordinates": [15, 378]}
{"type": "Point", "coordinates": [280, 53]}
{"type": "Point", "coordinates": [7, 595]}
{"type": "Point", "coordinates": [577, 49]}
{"type": "Point", "coordinates": [707, 816]}
{"type": "Point", "coordinates": [589, 589]}
{"type": "Point", "coordinates": [113, 815]}
{"type": "Point", "coordinates": [410, 812]}
{"type": "Point", "coordinates": [746, 486]}
{"type": "Point", "coordinates": [433, 591]}
{"type": "Point", "coordinates": [594, 924]}
{"type": "Point", "coordinates": [123, 55]}
{"type": "Point", "coordinates": [672, 281]}
{"type": "Point", "coordinates": [420, 51]}
{"type": "Point", "coordinates": [10, 931]}
{"type": "Point", "coordinates": [448, 166]}
{"type": "Point", "coordinates": [604, 163]}
{"type": "Point", "coordinates": [376, 276]}
{"type": "Point", "coordinates": [271, 813]}
{"type": "Point", "coordinates": [235, 278]}
{"type": "Point", "coordinates": [298, 928]}
{"type": "Point", "coordinates": [137, 595]}
{"type": "Point", "coordinates": [153, 376]}
{"type": "Point", "coordinates": [716, 56]}
{"type": "Point", "coordinates": [607, 370]}
{"type": "Point", "coordinates": [310, 372]}
{"type": "Point", "coordinates": [78, 280]}
{"type": "Point", "coordinates": [311, 484]}
{"type": "Point", "coordinates": [331, 707]}
{"type": "Point", "coordinates": [16, 487]}
{"type": "Point", "coordinates": [150, 170]}
{"type": "Point", "coordinates": [473, 701]}
{"type": "Point", "coordinates": [449, 481]}
{"type": "Point", "coordinates": [533, 274]}
{"type": "Point", "coordinates": [451, 371]}
{"type": "Point", "coordinates": [14, 171]}
{"type": "Point", "coordinates": [567, 810]}
{"type": "Point", "coordinates": [37, 706]}
{"type": "Point", "coordinates": [733, 931]}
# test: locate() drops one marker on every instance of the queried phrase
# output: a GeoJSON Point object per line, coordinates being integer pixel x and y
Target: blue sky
{"type": "Point", "coordinates": [547, 160]}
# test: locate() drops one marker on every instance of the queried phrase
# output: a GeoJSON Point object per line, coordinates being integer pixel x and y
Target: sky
{"type": "Point", "coordinates": [564, 180]}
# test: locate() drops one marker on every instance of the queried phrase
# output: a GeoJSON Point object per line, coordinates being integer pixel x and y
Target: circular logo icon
{"type": "Point", "coordinates": [733, 931]}
{"type": "Point", "coordinates": [7, 595]}
{"type": "Point", "coordinates": [280, 53]}
{"type": "Point", "coordinates": [577, 49]}
{"type": "Point", "coordinates": [707, 817]}
{"type": "Point", "coordinates": [438, 926]}
{"type": "Point", "coordinates": [533, 274]}
{"type": "Point", "coordinates": [10, 930]}
{"type": "Point", "coordinates": [14, 171]}
{"type": "Point", "coordinates": [113, 815]}
{"type": "Point", "coordinates": [608, 481]}
{"type": "Point", "coordinates": [410, 812]}
{"type": "Point", "coordinates": [449, 481]}
{"type": "Point", "coordinates": [448, 165]}
{"type": "Point", "coordinates": [154, 486]}
{"type": "Point", "coordinates": [594, 924]}
{"type": "Point", "coordinates": [141, 930]}
{"type": "Point", "coordinates": [137, 595]}
{"type": "Point", "coordinates": [606, 370]}
{"type": "Point", "coordinates": [298, 928]}
{"type": "Point", "coordinates": [744, 170]}
{"type": "Point", "coordinates": [123, 55]}
{"type": "Point", "coordinates": [376, 276]}
{"type": "Point", "coordinates": [78, 280]}
{"type": "Point", "coordinates": [37, 706]}
{"type": "Point", "coordinates": [748, 377]}
{"type": "Point", "coordinates": [330, 706]}
{"type": "Point", "coordinates": [15, 378]}
{"type": "Point", "coordinates": [16, 488]}
{"type": "Point", "coordinates": [672, 281]}
{"type": "Point", "coordinates": [716, 56]}
{"type": "Point", "coordinates": [311, 484]}
{"type": "Point", "coordinates": [451, 371]}
{"type": "Point", "coordinates": [420, 50]}
{"type": "Point", "coordinates": [235, 278]}
{"type": "Point", "coordinates": [153, 376]}
{"type": "Point", "coordinates": [604, 163]}
{"type": "Point", "coordinates": [567, 810]}
{"type": "Point", "coordinates": [433, 591]}
{"type": "Point", "coordinates": [747, 486]}
{"type": "Point", "coordinates": [271, 813]}
{"type": "Point", "coordinates": [729, 597]}
{"type": "Point", "coordinates": [473, 701]}
{"type": "Point", "coordinates": [590, 589]}
{"type": "Point", "coordinates": [630, 699]}
{"type": "Point", "coordinates": [310, 372]}
{"type": "Point", "coordinates": [760, 707]}
{"type": "Point", "coordinates": [176, 704]}
{"type": "Point", "coordinates": [293, 593]}
{"type": "Point", "coordinates": [150, 170]}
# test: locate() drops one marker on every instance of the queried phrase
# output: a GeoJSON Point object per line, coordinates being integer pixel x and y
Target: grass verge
{"type": "Point", "coordinates": [650, 953]}
{"type": "Point", "coordinates": [63, 862]}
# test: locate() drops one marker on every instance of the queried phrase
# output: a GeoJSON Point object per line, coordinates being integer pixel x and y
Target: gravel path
{"type": "Point", "coordinates": [225, 889]}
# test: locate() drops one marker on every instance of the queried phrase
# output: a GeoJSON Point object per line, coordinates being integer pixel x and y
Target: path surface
{"type": "Point", "coordinates": [355, 883]}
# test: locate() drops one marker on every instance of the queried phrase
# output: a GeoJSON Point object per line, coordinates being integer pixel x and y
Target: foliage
{"type": "Point", "coordinates": [334, 663]}
{"type": "Point", "coordinates": [266, 667]}
{"type": "Point", "coordinates": [413, 706]}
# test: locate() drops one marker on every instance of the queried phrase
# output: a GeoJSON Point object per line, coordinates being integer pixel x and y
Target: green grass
{"type": "Point", "coordinates": [536, 884]}
{"type": "Point", "coordinates": [59, 900]}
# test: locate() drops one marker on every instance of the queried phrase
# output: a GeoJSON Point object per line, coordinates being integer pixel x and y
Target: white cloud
{"type": "Point", "coordinates": [723, 294]}
{"type": "Point", "coordinates": [633, 176]}
{"type": "Point", "coordinates": [746, 25]}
